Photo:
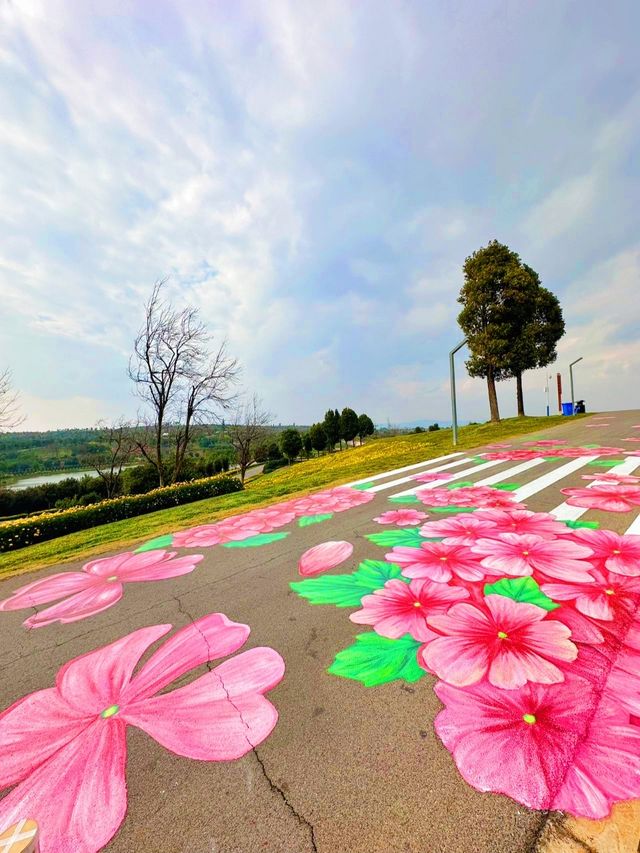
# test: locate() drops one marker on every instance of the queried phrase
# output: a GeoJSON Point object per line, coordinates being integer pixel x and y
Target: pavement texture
{"type": "Point", "coordinates": [347, 769]}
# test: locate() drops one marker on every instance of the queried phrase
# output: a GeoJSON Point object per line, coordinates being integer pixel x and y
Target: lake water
{"type": "Point", "coordinates": [50, 478]}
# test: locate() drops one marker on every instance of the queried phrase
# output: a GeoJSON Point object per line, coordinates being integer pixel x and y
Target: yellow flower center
{"type": "Point", "coordinates": [525, 553]}
{"type": "Point", "coordinates": [609, 592]}
{"type": "Point", "coordinates": [110, 711]}
{"type": "Point", "coordinates": [502, 635]}
{"type": "Point", "coordinates": [417, 604]}
{"type": "Point", "coordinates": [112, 578]}
{"type": "Point", "coordinates": [443, 558]}
{"type": "Point", "coordinates": [616, 551]}
{"type": "Point", "coordinates": [529, 718]}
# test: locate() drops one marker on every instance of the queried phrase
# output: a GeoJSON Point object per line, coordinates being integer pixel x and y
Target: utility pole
{"type": "Point", "coordinates": [573, 402]}
{"type": "Point", "coordinates": [452, 376]}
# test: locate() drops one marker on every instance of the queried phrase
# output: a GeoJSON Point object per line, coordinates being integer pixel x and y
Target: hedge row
{"type": "Point", "coordinates": [28, 531]}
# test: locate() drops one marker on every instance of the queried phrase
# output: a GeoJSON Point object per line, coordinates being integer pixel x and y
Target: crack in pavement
{"type": "Point", "coordinates": [275, 788]}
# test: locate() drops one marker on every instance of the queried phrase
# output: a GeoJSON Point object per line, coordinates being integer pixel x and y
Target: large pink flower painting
{"type": "Point", "coordinates": [531, 626]}
{"type": "Point", "coordinates": [97, 587]}
{"type": "Point", "coordinates": [65, 748]}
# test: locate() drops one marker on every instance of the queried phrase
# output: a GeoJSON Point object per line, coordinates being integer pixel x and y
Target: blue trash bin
{"type": "Point", "coordinates": [567, 408]}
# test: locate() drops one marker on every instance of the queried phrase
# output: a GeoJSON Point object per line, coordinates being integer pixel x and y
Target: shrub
{"type": "Point", "coordinates": [28, 531]}
{"type": "Point", "coordinates": [273, 464]}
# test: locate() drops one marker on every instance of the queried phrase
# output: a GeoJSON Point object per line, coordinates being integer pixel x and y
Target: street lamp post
{"type": "Point", "coordinates": [573, 402]}
{"type": "Point", "coordinates": [452, 375]}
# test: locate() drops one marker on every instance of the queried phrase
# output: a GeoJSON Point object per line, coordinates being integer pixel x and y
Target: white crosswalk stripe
{"type": "Point", "coordinates": [406, 468]}
{"type": "Point", "coordinates": [552, 477]}
{"type": "Point", "coordinates": [402, 480]}
{"type": "Point", "coordinates": [566, 512]}
{"type": "Point", "coordinates": [459, 476]}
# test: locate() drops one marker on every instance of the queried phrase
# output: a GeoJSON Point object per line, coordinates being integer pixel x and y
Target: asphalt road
{"type": "Point", "coordinates": [347, 769]}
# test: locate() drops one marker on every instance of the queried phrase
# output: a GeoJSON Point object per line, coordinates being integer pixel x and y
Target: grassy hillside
{"type": "Point", "coordinates": [340, 467]}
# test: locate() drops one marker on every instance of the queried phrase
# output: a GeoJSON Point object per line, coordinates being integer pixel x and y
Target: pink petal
{"type": "Point", "coordinates": [46, 590]}
{"type": "Point", "coordinates": [456, 660]}
{"type": "Point", "coordinates": [514, 667]}
{"type": "Point", "coordinates": [220, 716]}
{"type": "Point", "coordinates": [96, 680]}
{"type": "Point", "coordinates": [107, 566]}
{"type": "Point", "coordinates": [213, 636]}
{"type": "Point", "coordinates": [167, 568]}
{"type": "Point", "coordinates": [323, 557]}
{"type": "Point", "coordinates": [78, 797]}
{"type": "Point", "coordinates": [80, 606]}
{"type": "Point", "coordinates": [32, 730]}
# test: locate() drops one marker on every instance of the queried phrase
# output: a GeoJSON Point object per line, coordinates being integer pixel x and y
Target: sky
{"type": "Point", "coordinates": [312, 176]}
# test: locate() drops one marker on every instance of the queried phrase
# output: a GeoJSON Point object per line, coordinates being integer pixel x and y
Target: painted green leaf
{"type": "Point", "coordinates": [363, 486]}
{"type": "Point", "coordinates": [460, 485]}
{"type": "Point", "coordinates": [408, 536]}
{"type": "Point", "coordinates": [605, 463]}
{"type": "Point", "coordinates": [254, 541]}
{"type": "Point", "coordinates": [589, 446]}
{"type": "Point", "coordinates": [521, 589]}
{"type": "Point", "coordinates": [553, 458]}
{"type": "Point", "coordinates": [306, 520]}
{"type": "Point", "coordinates": [155, 544]}
{"type": "Point", "coordinates": [348, 590]}
{"type": "Point", "coordinates": [404, 499]}
{"type": "Point", "coordinates": [478, 459]}
{"type": "Point", "coordinates": [452, 508]}
{"type": "Point", "coordinates": [594, 525]}
{"type": "Point", "coordinates": [507, 487]}
{"type": "Point", "coordinates": [376, 660]}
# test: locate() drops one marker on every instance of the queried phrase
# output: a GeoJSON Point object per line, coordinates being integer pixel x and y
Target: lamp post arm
{"type": "Point", "coordinates": [452, 375]}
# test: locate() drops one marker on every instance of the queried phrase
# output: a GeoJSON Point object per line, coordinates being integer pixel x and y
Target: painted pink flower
{"type": "Point", "coordinates": [323, 557]}
{"type": "Point", "coordinates": [402, 517]}
{"type": "Point", "coordinates": [476, 496]}
{"type": "Point", "coordinates": [634, 439]}
{"type": "Point", "coordinates": [513, 455]}
{"type": "Point", "coordinates": [97, 587]}
{"type": "Point", "coordinates": [202, 536]}
{"type": "Point", "coordinates": [603, 598]}
{"type": "Point", "coordinates": [437, 562]}
{"type": "Point", "coordinates": [606, 497]}
{"type": "Point", "coordinates": [402, 608]}
{"type": "Point", "coordinates": [542, 745]}
{"type": "Point", "coordinates": [616, 479]}
{"type": "Point", "coordinates": [337, 499]}
{"type": "Point", "coordinates": [507, 641]}
{"type": "Point", "coordinates": [548, 442]}
{"type": "Point", "coordinates": [65, 747]}
{"type": "Point", "coordinates": [519, 555]}
{"type": "Point", "coordinates": [577, 452]}
{"type": "Point", "coordinates": [462, 529]}
{"type": "Point", "coordinates": [435, 476]}
{"type": "Point", "coordinates": [498, 445]}
{"type": "Point", "coordinates": [522, 521]}
{"type": "Point", "coordinates": [616, 553]}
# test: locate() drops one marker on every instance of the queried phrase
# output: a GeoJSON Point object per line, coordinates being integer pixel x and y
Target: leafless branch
{"type": "Point", "coordinates": [247, 429]}
{"type": "Point", "coordinates": [10, 416]}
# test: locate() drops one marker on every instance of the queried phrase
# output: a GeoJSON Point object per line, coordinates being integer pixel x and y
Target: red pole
{"type": "Point", "coordinates": [559, 380]}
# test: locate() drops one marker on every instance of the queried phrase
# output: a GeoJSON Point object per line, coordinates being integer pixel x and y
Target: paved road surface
{"type": "Point", "coordinates": [347, 769]}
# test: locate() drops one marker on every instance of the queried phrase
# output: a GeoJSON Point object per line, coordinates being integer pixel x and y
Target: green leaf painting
{"type": "Point", "coordinates": [605, 463]}
{"type": "Point", "coordinates": [521, 589]}
{"type": "Point", "coordinates": [155, 544]}
{"type": "Point", "coordinates": [376, 660]}
{"type": "Point", "coordinates": [407, 536]}
{"type": "Point", "coordinates": [363, 486]}
{"type": "Point", "coordinates": [460, 485]}
{"type": "Point", "coordinates": [255, 541]}
{"type": "Point", "coordinates": [553, 458]}
{"type": "Point", "coordinates": [507, 487]}
{"type": "Point", "coordinates": [404, 499]}
{"type": "Point", "coordinates": [348, 590]}
{"type": "Point", "coordinates": [576, 525]}
{"type": "Point", "coordinates": [306, 520]}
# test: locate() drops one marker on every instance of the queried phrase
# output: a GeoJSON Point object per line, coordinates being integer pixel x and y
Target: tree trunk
{"type": "Point", "coordinates": [493, 397]}
{"type": "Point", "coordinates": [519, 395]}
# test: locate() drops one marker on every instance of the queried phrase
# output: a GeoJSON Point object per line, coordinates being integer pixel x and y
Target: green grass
{"type": "Point", "coordinates": [375, 456]}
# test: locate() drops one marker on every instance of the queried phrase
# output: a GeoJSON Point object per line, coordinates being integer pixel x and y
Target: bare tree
{"type": "Point", "coordinates": [247, 430]}
{"type": "Point", "coordinates": [178, 375]}
{"type": "Point", "coordinates": [9, 414]}
{"type": "Point", "coordinates": [121, 446]}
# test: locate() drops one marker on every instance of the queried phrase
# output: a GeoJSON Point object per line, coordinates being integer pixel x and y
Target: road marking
{"type": "Point", "coordinates": [517, 469]}
{"type": "Point", "coordinates": [552, 477]}
{"type": "Point", "coordinates": [402, 480]}
{"type": "Point", "coordinates": [406, 468]}
{"type": "Point", "coordinates": [634, 527]}
{"type": "Point", "coordinates": [459, 475]}
{"type": "Point", "coordinates": [566, 512]}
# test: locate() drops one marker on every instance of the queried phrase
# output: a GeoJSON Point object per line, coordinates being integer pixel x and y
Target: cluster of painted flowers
{"type": "Point", "coordinates": [531, 627]}
{"type": "Point", "coordinates": [260, 521]}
